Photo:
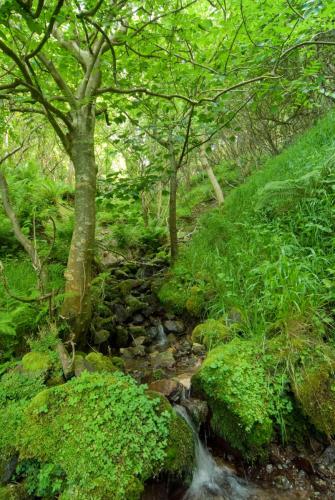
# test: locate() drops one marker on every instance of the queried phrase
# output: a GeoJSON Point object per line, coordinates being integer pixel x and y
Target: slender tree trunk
{"type": "Point", "coordinates": [173, 206]}
{"type": "Point", "coordinates": [29, 246]}
{"type": "Point", "coordinates": [77, 304]}
{"type": "Point", "coordinates": [213, 180]}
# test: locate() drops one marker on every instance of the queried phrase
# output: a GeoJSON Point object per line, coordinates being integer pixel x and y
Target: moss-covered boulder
{"type": "Point", "coordinates": [36, 362]}
{"type": "Point", "coordinates": [235, 384]}
{"type": "Point", "coordinates": [95, 361]}
{"type": "Point", "coordinates": [314, 388]}
{"type": "Point", "coordinates": [211, 333]}
{"type": "Point", "coordinates": [106, 434]}
{"type": "Point", "coordinates": [16, 390]}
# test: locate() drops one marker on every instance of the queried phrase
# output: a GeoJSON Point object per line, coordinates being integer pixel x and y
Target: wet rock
{"type": "Point", "coordinates": [121, 336]}
{"type": "Point", "coordinates": [126, 286]}
{"type": "Point", "coordinates": [172, 339]}
{"type": "Point", "coordinates": [170, 388]}
{"type": "Point", "coordinates": [138, 319]}
{"type": "Point", "coordinates": [139, 341]}
{"type": "Point", "coordinates": [328, 457]}
{"type": "Point", "coordinates": [282, 483]}
{"type": "Point", "coordinates": [65, 360]}
{"type": "Point", "coordinates": [134, 304]}
{"type": "Point", "coordinates": [269, 468]}
{"type": "Point", "coordinates": [174, 326]}
{"type": "Point", "coordinates": [121, 312]}
{"type": "Point", "coordinates": [80, 365]}
{"type": "Point", "coordinates": [197, 408]}
{"type": "Point", "coordinates": [7, 467]}
{"type": "Point", "coordinates": [198, 349]}
{"type": "Point", "coordinates": [163, 359]}
{"type": "Point", "coordinates": [101, 336]}
{"type": "Point", "coordinates": [137, 331]}
{"type": "Point", "coordinates": [152, 333]}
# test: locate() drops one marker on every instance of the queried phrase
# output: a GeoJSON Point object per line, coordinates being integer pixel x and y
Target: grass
{"type": "Point", "coordinates": [269, 252]}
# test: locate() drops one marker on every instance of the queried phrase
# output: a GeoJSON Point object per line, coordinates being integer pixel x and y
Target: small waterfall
{"type": "Point", "coordinates": [211, 481]}
{"type": "Point", "coordinates": [161, 336]}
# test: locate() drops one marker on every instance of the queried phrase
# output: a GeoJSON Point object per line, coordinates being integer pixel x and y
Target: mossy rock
{"type": "Point", "coordinates": [118, 362]}
{"type": "Point", "coordinates": [180, 453]}
{"type": "Point", "coordinates": [36, 362]}
{"type": "Point", "coordinates": [99, 363]}
{"type": "Point", "coordinates": [195, 303]}
{"type": "Point", "coordinates": [106, 433]}
{"type": "Point", "coordinates": [134, 304]}
{"type": "Point", "coordinates": [314, 388]}
{"type": "Point", "coordinates": [235, 385]}
{"type": "Point", "coordinates": [13, 492]}
{"type": "Point", "coordinates": [211, 333]}
{"type": "Point", "coordinates": [126, 286]}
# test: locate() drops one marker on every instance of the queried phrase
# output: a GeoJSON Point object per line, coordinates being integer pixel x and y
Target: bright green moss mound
{"type": "Point", "coordinates": [211, 333]}
{"type": "Point", "coordinates": [36, 362]}
{"type": "Point", "coordinates": [244, 398]}
{"type": "Point", "coordinates": [104, 433]}
{"type": "Point", "coordinates": [100, 363]}
{"type": "Point", "coordinates": [16, 390]}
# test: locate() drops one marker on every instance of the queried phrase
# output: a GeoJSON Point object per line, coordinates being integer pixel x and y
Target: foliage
{"type": "Point", "coordinates": [269, 260]}
{"type": "Point", "coordinates": [103, 432]}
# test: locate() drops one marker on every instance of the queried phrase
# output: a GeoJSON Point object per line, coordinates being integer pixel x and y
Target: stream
{"type": "Point", "coordinates": [156, 348]}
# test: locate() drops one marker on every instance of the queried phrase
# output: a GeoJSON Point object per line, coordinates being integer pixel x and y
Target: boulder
{"type": "Point", "coordinates": [163, 359]}
{"type": "Point", "coordinates": [137, 331]}
{"type": "Point", "coordinates": [101, 336]}
{"type": "Point", "coordinates": [35, 363]}
{"type": "Point", "coordinates": [97, 362]}
{"type": "Point", "coordinates": [171, 389]}
{"type": "Point", "coordinates": [197, 409]}
{"type": "Point", "coordinates": [174, 326]}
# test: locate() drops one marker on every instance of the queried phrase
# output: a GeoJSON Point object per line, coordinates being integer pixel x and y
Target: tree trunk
{"type": "Point", "coordinates": [29, 246]}
{"type": "Point", "coordinates": [77, 304]}
{"type": "Point", "coordinates": [213, 180]}
{"type": "Point", "coordinates": [173, 207]}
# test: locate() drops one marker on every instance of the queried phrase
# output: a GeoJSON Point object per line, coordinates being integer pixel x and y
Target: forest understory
{"type": "Point", "coordinates": [167, 264]}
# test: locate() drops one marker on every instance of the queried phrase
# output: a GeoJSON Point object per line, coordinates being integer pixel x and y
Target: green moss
{"type": "Point", "coordinates": [235, 384]}
{"type": "Point", "coordinates": [13, 492]}
{"type": "Point", "coordinates": [173, 296]}
{"type": "Point", "coordinates": [105, 433]}
{"type": "Point", "coordinates": [34, 362]}
{"type": "Point", "coordinates": [134, 304]}
{"type": "Point", "coordinates": [314, 388]}
{"type": "Point", "coordinates": [211, 333]}
{"type": "Point", "coordinates": [118, 362]}
{"type": "Point", "coordinates": [100, 363]}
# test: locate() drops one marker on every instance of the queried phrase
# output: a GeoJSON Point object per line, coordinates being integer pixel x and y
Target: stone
{"type": "Point", "coordinates": [328, 456]}
{"type": "Point", "coordinates": [65, 360]}
{"type": "Point", "coordinates": [198, 349]}
{"type": "Point", "coordinates": [170, 388]}
{"type": "Point", "coordinates": [197, 408]}
{"type": "Point", "coordinates": [7, 467]}
{"type": "Point", "coordinates": [121, 312]}
{"type": "Point", "coordinates": [138, 319]}
{"type": "Point", "coordinates": [126, 286]}
{"type": "Point", "coordinates": [80, 365]}
{"type": "Point", "coordinates": [101, 336]}
{"type": "Point", "coordinates": [97, 362]}
{"type": "Point", "coordinates": [34, 362]}
{"type": "Point", "coordinates": [138, 351]}
{"type": "Point", "coordinates": [134, 304]}
{"type": "Point", "coordinates": [137, 331]}
{"type": "Point", "coordinates": [163, 359]}
{"type": "Point", "coordinates": [126, 353]}
{"type": "Point", "coordinates": [139, 341]}
{"type": "Point", "coordinates": [171, 339]}
{"type": "Point", "coordinates": [174, 326]}
{"type": "Point", "coordinates": [122, 336]}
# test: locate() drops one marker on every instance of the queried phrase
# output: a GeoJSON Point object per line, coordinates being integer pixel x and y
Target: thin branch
{"type": "Point", "coordinates": [302, 44]}
{"type": "Point", "coordinates": [231, 47]}
{"type": "Point", "coordinates": [187, 135]}
{"type": "Point", "coordinates": [295, 10]}
{"type": "Point", "coordinates": [48, 31]}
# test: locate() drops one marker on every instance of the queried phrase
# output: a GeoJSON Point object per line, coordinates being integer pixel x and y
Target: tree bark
{"type": "Point", "coordinates": [173, 206]}
{"type": "Point", "coordinates": [29, 246]}
{"type": "Point", "coordinates": [77, 304]}
{"type": "Point", "coordinates": [213, 180]}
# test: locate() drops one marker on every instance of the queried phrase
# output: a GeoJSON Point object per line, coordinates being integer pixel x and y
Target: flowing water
{"type": "Point", "coordinates": [211, 481]}
{"type": "Point", "coordinates": [162, 339]}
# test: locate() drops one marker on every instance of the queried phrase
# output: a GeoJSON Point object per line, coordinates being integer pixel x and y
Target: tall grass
{"type": "Point", "coordinates": [269, 252]}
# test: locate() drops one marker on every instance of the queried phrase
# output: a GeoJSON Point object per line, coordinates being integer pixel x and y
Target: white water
{"type": "Point", "coordinates": [161, 336]}
{"type": "Point", "coordinates": [211, 481]}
